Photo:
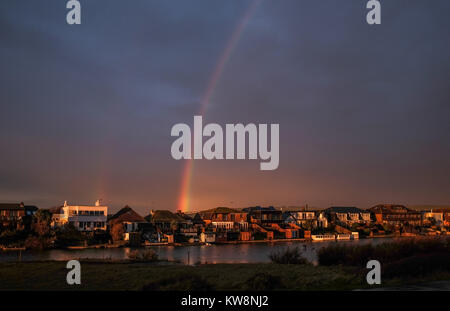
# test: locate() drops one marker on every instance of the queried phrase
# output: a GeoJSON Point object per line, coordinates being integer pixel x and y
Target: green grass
{"type": "Point", "coordinates": [134, 276]}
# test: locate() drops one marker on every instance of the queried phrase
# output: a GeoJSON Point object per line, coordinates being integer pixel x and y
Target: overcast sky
{"type": "Point", "coordinates": [86, 110]}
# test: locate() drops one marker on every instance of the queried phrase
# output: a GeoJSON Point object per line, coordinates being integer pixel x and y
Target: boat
{"type": "Point", "coordinates": [323, 237]}
{"type": "Point", "coordinates": [343, 237]}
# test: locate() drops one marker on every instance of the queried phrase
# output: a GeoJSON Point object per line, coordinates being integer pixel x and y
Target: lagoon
{"type": "Point", "coordinates": [216, 253]}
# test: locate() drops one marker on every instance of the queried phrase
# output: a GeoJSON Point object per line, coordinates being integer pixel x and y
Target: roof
{"type": "Point", "coordinates": [126, 214]}
{"type": "Point", "coordinates": [441, 210]}
{"type": "Point", "coordinates": [260, 208]}
{"type": "Point", "coordinates": [164, 216]}
{"type": "Point", "coordinates": [12, 206]}
{"type": "Point", "coordinates": [31, 208]}
{"type": "Point", "coordinates": [391, 208]}
{"type": "Point", "coordinates": [221, 210]}
{"type": "Point", "coordinates": [55, 209]}
{"type": "Point", "coordinates": [345, 209]}
{"type": "Point", "coordinates": [287, 215]}
{"type": "Point", "coordinates": [438, 208]}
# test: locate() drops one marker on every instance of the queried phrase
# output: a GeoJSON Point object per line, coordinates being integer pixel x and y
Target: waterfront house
{"type": "Point", "coordinates": [264, 215]}
{"type": "Point", "coordinates": [165, 221]}
{"type": "Point", "coordinates": [347, 215]}
{"type": "Point", "coordinates": [207, 237]}
{"type": "Point", "coordinates": [82, 217]}
{"type": "Point", "coordinates": [16, 215]}
{"type": "Point", "coordinates": [433, 217]}
{"type": "Point", "coordinates": [133, 225]}
{"type": "Point", "coordinates": [445, 215]}
{"type": "Point", "coordinates": [196, 220]}
{"type": "Point", "coordinates": [224, 219]}
{"type": "Point", "coordinates": [396, 215]}
{"type": "Point", "coordinates": [301, 218]}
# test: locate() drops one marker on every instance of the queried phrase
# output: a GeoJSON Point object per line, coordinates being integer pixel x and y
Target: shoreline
{"type": "Point", "coordinates": [150, 245]}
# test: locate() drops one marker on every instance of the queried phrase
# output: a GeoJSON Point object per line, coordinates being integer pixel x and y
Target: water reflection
{"type": "Point", "coordinates": [231, 253]}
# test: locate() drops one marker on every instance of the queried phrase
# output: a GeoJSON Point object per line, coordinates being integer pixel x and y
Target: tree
{"type": "Point", "coordinates": [174, 225]}
{"type": "Point", "coordinates": [41, 222]}
{"type": "Point", "coordinates": [117, 232]}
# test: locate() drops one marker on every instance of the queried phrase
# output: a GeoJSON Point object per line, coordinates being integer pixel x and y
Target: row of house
{"type": "Point", "coordinates": [222, 224]}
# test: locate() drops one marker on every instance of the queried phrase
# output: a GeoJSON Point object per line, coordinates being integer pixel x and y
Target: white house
{"type": "Point", "coordinates": [437, 216]}
{"type": "Point", "coordinates": [207, 237]}
{"type": "Point", "coordinates": [83, 217]}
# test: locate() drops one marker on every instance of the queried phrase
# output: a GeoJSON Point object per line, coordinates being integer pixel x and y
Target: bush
{"type": "Point", "coordinates": [69, 236]}
{"type": "Point", "coordinates": [147, 255]}
{"type": "Point", "coordinates": [37, 243]}
{"type": "Point", "coordinates": [184, 282]}
{"type": "Point", "coordinates": [13, 238]}
{"type": "Point", "coordinates": [117, 232]}
{"type": "Point", "coordinates": [288, 256]}
{"type": "Point", "coordinates": [263, 281]}
{"type": "Point", "coordinates": [418, 265]}
{"type": "Point", "coordinates": [359, 255]}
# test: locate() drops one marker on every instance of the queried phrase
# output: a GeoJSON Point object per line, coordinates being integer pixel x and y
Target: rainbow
{"type": "Point", "coordinates": [186, 178]}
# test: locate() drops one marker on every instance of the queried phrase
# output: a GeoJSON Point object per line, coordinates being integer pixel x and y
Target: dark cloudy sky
{"type": "Point", "coordinates": [86, 111]}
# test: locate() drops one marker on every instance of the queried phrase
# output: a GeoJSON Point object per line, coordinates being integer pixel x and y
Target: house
{"type": "Point", "coordinates": [392, 214]}
{"type": "Point", "coordinates": [16, 215]}
{"type": "Point", "coordinates": [197, 220]}
{"type": "Point", "coordinates": [225, 219]}
{"type": "Point", "coordinates": [264, 215]}
{"type": "Point", "coordinates": [132, 226]}
{"type": "Point", "coordinates": [322, 220]}
{"type": "Point", "coordinates": [82, 217]}
{"type": "Point", "coordinates": [439, 216]}
{"type": "Point", "coordinates": [347, 215]}
{"type": "Point", "coordinates": [433, 217]}
{"type": "Point", "coordinates": [165, 221]}
{"type": "Point", "coordinates": [207, 237]}
{"type": "Point", "coordinates": [301, 218]}
{"type": "Point", "coordinates": [130, 220]}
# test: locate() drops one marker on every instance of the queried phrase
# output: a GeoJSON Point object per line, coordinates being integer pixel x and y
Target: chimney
{"type": "Point", "coordinates": [98, 202]}
{"type": "Point", "coordinates": [65, 203]}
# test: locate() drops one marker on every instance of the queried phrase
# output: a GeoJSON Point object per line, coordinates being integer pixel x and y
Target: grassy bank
{"type": "Point", "coordinates": [135, 276]}
{"type": "Point", "coordinates": [138, 276]}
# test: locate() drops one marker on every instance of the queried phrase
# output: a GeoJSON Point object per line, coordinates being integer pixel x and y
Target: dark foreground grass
{"type": "Point", "coordinates": [138, 276]}
{"type": "Point", "coordinates": [148, 276]}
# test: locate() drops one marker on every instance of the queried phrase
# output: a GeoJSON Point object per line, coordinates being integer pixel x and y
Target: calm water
{"type": "Point", "coordinates": [231, 253]}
